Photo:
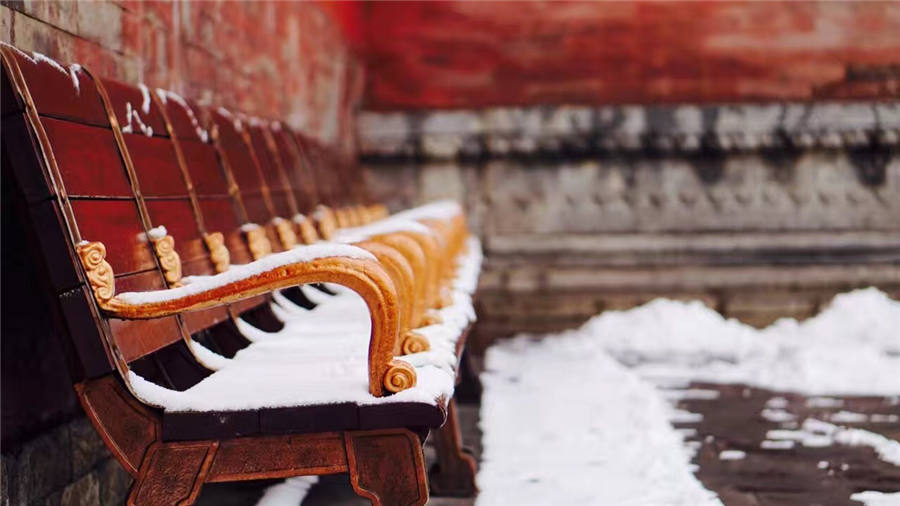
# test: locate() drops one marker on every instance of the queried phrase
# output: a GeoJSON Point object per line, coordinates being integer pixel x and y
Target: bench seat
{"type": "Point", "coordinates": [313, 374]}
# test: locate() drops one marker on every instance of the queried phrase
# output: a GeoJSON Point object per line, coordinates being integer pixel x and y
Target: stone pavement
{"type": "Point", "coordinates": [739, 418]}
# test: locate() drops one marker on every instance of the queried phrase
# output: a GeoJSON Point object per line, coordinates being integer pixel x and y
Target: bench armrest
{"type": "Point", "coordinates": [346, 265]}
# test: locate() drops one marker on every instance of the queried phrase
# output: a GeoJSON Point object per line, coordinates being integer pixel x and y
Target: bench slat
{"type": "Point", "coordinates": [88, 159]}
{"type": "Point", "coordinates": [54, 93]}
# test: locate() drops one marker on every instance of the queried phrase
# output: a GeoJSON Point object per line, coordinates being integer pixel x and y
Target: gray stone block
{"type": "Point", "coordinates": [115, 483]}
{"type": "Point", "coordinates": [44, 465]}
{"type": "Point", "coordinates": [84, 492]}
{"type": "Point", "coordinates": [88, 448]}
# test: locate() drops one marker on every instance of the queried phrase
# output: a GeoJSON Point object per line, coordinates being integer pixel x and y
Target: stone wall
{"type": "Point", "coordinates": [431, 54]}
{"type": "Point", "coordinates": [760, 210]}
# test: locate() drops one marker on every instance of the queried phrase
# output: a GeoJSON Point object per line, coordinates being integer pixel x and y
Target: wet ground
{"type": "Point", "coordinates": [733, 419]}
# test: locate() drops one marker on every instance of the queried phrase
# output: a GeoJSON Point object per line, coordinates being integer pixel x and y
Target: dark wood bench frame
{"type": "Point", "coordinates": [385, 462]}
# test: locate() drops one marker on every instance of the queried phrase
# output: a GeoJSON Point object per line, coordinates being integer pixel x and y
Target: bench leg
{"type": "Point", "coordinates": [172, 474]}
{"type": "Point", "coordinates": [387, 467]}
{"type": "Point", "coordinates": [453, 475]}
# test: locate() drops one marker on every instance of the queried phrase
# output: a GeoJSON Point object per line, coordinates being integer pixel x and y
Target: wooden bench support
{"type": "Point", "coordinates": [453, 475]}
{"type": "Point", "coordinates": [172, 474]}
{"type": "Point", "coordinates": [387, 467]}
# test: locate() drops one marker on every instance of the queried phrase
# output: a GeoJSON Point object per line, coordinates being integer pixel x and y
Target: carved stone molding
{"type": "Point", "coordinates": [164, 247]}
{"type": "Point", "coordinates": [99, 273]}
{"type": "Point", "coordinates": [582, 130]}
{"type": "Point", "coordinates": [218, 253]}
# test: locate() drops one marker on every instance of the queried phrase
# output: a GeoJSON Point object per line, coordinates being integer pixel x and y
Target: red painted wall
{"type": "Point", "coordinates": [471, 54]}
{"type": "Point", "coordinates": [274, 59]}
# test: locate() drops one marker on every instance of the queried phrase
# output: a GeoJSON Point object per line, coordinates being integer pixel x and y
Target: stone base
{"type": "Point", "coordinates": [68, 465]}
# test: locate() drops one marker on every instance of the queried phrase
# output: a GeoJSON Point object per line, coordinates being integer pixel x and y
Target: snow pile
{"type": "Point", "coordinates": [590, 431]}
{"type": "Point", "coordinates": [564, 423]}
{"type": "Point", "coordinates": [871, 498]}
{"type": "Point", "coordinates": [819, 433]}
{"type": "Point", "coordinates": [852, 347]}
{"type": "Point", "coordinates": [437, 210]}
{"type": "Point", "coordinates": [313, 360]}
{"type": "Point", "coordinates": [290, 492]}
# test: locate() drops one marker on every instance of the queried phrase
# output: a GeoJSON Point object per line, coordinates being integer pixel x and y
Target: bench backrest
{"type": "Point", "coordinates": [77, 176]}
{"type": "Point", "coordinates": [100, 160]}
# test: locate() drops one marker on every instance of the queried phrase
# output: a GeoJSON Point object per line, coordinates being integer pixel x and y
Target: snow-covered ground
{"type": "Point", "coordinates": [576, 418]}
{"type": "Point", "coordinates": [564, 423]}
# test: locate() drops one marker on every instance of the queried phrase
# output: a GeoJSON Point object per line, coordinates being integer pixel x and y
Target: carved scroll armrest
{"type": "Point", "coordinates": [340, 264]}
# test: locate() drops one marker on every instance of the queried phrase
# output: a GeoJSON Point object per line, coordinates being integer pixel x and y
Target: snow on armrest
{"type": "Point", "coordinates": [342, 264]}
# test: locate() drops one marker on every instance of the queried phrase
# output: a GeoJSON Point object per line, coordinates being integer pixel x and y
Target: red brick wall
{"type": "Point", "coordinates": [473, 54]}
{"type": "Point", "coordinates": [274, 59]}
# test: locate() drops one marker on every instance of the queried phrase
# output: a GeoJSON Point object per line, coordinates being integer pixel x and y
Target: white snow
{"type": "Point", "coordinates": [385, 226]}
{"type": "Point", "coordinates": [873, 498]}
{"type": "Point", "coordinates": [207, 357]}
{"type": "Point", "coordinates": [235, 121]}
{"type": "Point", "coordinates": [36, 58]}
{"type": "Point", "coordinates": [777, 415]}
{"type": "Point", "coordinates": [290, 492]}
{"type": "Point", "coordinates": [777, 402]}
{"type": "Point", "coordinates": [194, 285]}
{"type": "Point", "coordinates": [292, 372]}
{"type": "Point", "coordinates": [732, 455]}
{"type": "Point", "coordinates": [691, 393]}
{"type": "Point", "coordinates": [438, 210]}
{"type": "Point", "coordinates": [852, 347]}
{"type": "Point", "coordinates": [157, 233]}
{"type": "Point", "coordinates": [74, 69]}
{"type": "Point", "coordinates": [319, 357]}
{"type": "Point", "coordinates": [133, 117]}
{"type": "Point", "coordinates": [887, 450]}
{"type": "Point", "coordinates": [165, 94]}
{"type": "Point", "coordinates": [590, 431]}
{"type": "Point", "coordinates": [776, 445]}
{"type": "Point", "coordinates": [564, 423]}
{"type": "Point", "coordinates": [824, 402]}
{"type": "Point", "coordinates": [145, 94]}
{"type": "Point", "coordinates": [847, 417]}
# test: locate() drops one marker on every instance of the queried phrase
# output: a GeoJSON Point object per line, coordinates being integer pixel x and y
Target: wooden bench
{"type": "Point", "coordinates": [211, 335]}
